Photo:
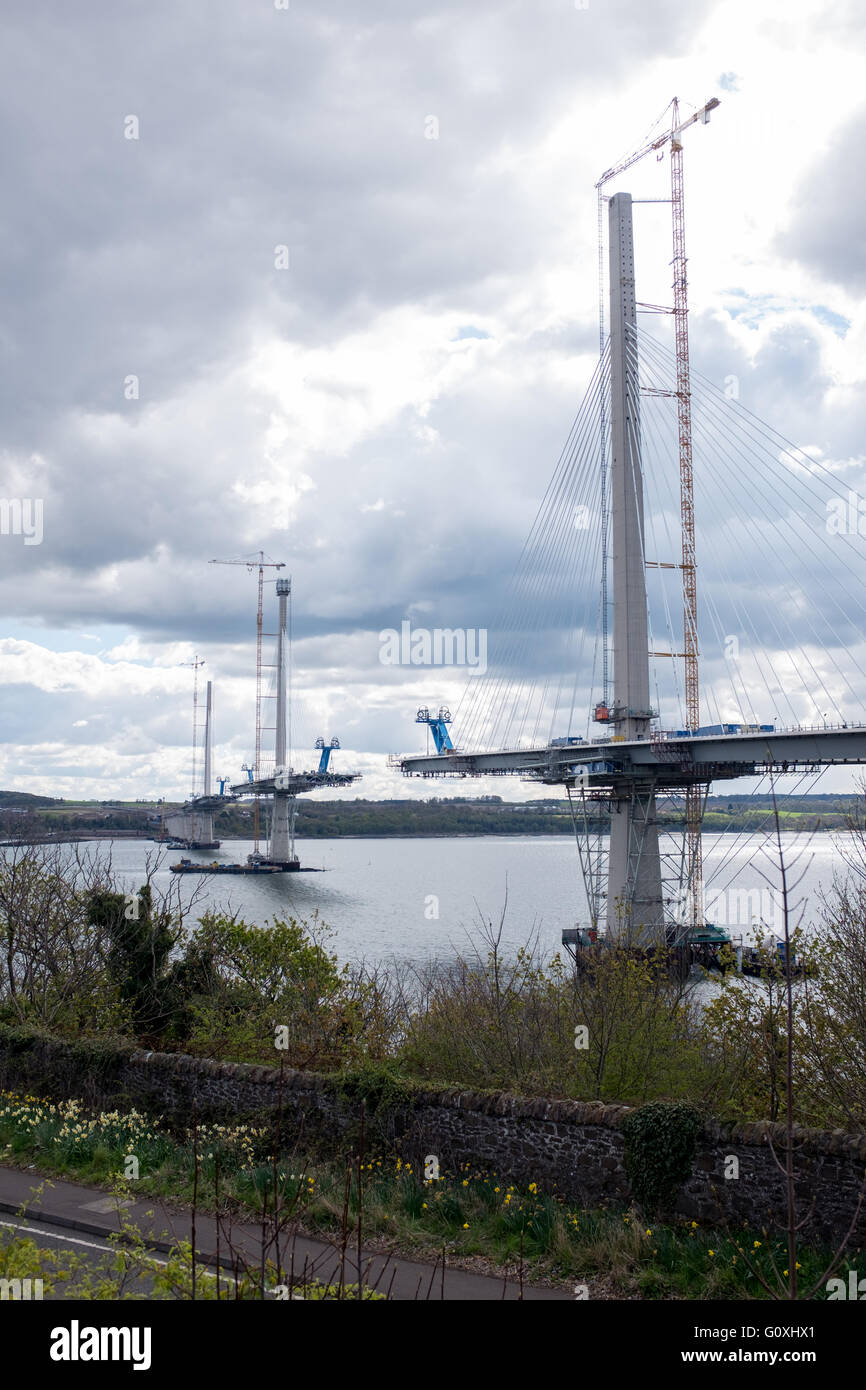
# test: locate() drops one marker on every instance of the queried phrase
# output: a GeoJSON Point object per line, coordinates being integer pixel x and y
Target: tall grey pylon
{"type": "Point", "coordinates": [282, 849]}
{"type": "Point", "coordinates": [635, 907]}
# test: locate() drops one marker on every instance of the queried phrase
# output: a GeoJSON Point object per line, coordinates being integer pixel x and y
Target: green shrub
{"type": "Point", "coordinates": [660, 1149]}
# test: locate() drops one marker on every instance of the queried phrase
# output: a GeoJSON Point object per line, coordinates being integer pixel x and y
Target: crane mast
{"type": "Point", "coordinates": [694, 796]}
{"type": "Point", "coordinates": [196, 663]}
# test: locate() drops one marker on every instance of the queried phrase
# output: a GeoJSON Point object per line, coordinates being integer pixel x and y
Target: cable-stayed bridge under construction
{"type": "Point", "coordinates": [783, 604]}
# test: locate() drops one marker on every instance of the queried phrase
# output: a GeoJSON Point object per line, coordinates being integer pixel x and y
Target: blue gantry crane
{"type": "Point", "coordinates": [437, 723]}
{"type": "Point", "coordinates": [326, 752]}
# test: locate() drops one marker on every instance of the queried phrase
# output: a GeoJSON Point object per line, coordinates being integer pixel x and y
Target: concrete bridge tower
{"type": "Point", "coordinates": [282, 847]}
{"type": "Point", "coordinates": [208, 714]}
{"type": "Point", "coordinates": [635, 907]}
{"type": "Point", "coordinates": [192, 823]}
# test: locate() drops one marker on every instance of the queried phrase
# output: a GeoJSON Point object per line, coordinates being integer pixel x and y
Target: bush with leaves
{"type": "Point", "coordinates": [53, 958]}
{"type": "Point", "coordinates": [745, 1029]}
{"type": "Point", "coordinates": [141, 939]}
{"type": "Point", "coordinates": [508, 1022]}
{"type": "Point", "coordinates": [275, 993]}
{"type": "Point", "coordinates": [660, 1143]}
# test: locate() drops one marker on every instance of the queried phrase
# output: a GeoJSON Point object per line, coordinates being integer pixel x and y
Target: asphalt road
{"type": "Point", "coordinates": [55, 1213]}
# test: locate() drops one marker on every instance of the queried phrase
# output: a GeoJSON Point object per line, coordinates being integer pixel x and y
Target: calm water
{"type": "Point", "coordinates": [381, 896]}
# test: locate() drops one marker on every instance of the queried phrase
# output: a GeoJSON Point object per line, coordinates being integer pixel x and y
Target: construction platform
{"type": "Point", "coordinates": [186, 866]}
{"type": "Point", "coordinates": [702, 946]}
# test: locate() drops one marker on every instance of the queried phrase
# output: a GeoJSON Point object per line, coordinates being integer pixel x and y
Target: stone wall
{"type": "Point", "coordinates": [575, 1146]}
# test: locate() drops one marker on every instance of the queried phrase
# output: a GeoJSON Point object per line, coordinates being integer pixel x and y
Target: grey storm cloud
{"type": "Point", "coordinates": [828, 232]}
{"type": "Point", "coordinates": [260, 127]}
{"type": "Point", "coordinates": [154, 258]}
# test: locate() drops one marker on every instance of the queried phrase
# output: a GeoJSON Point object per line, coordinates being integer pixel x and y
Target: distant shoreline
{"type": "Point", "coordinates": [33, 819]}
{"type": "Point", "coordinates": [95, 837]}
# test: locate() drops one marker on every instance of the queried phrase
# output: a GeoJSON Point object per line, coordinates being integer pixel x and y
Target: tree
{"type": "Point", "coordinates": [140, 943]}
{"type": "Point", "coordinates": [276, 993]}
{"type": "Point", "coordinates": [53, 957]}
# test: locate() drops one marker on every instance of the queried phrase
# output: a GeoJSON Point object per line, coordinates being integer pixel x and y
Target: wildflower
{"type": "Point", "coordinates": [533, 1187]}
{"type": "Point", "coordinates": [466, 1225]}
{"type": "Point", "coordinates": [711, 1252]}
{"type": "Point", "coordinates": [649, 1233]}
{"type": "Point", "coordinates": [496, 1189]}
{"type": "Point", "coordinates": [424, 1206]}
{"type": "Point", "coordinates": [757, 1244]}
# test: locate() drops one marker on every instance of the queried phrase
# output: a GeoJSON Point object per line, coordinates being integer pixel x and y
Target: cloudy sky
{"type": "Point", "coordinates": [321, 280]}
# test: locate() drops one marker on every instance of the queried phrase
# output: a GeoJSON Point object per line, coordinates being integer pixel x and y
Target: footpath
{"type": "Point", "coordinates": [91, 1211]}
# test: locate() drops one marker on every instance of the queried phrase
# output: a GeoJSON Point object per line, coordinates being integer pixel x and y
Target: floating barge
{"type": "Point", "coordinates": [186, 866]}
{"type": "Point", "coordinates": [708, 942]}
{"type": "Point", "coordinates": [702, 946]}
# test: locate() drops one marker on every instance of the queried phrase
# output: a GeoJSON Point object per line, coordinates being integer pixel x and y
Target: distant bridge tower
{"type": "Point", "coordinates": [193, 822]}
{"type": "Point", "coordinates": [207, 737]}
{"type": "Point", "coordinates": [635, 906]}
{"type": "Point", "coordinates": [282, 847]}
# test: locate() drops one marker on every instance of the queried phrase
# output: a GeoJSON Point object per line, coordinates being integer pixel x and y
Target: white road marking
{"type": "Point", "coordinates": [56, 1235]}
{"type": "Point", "coordinates": [92, 1245]}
